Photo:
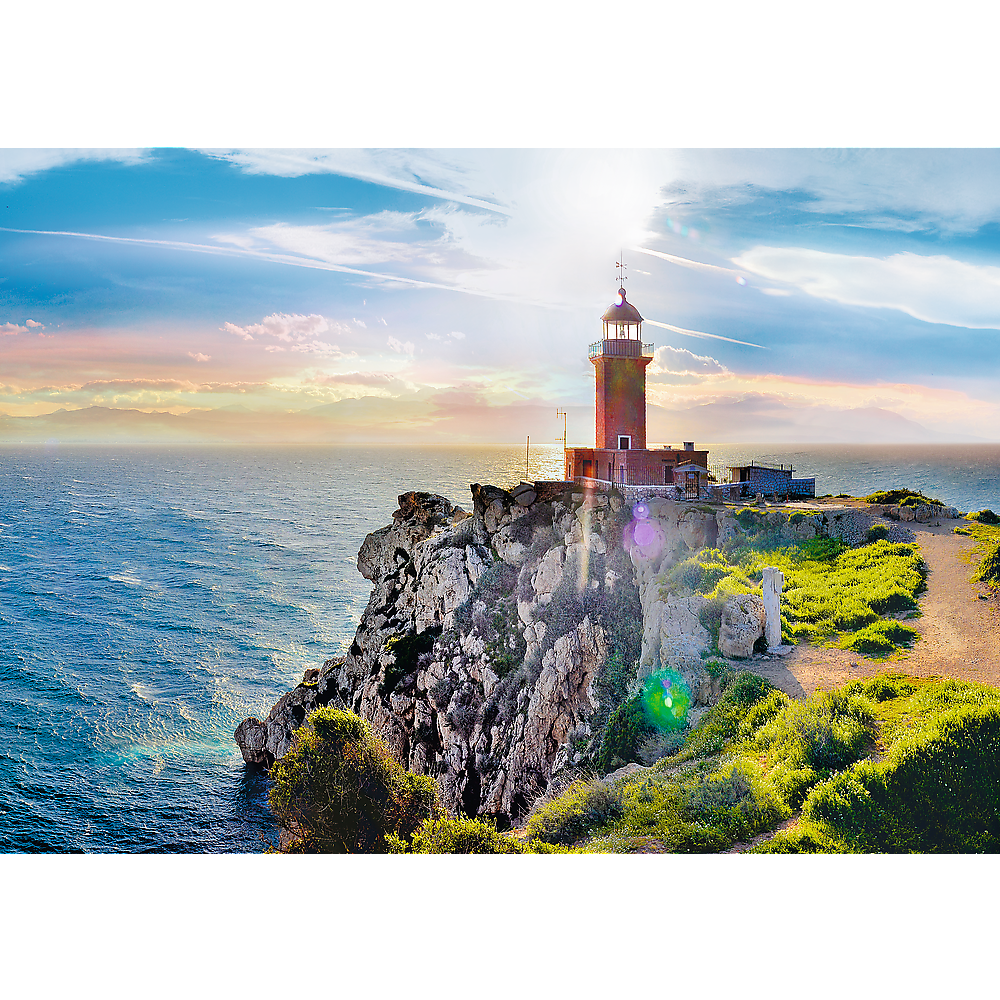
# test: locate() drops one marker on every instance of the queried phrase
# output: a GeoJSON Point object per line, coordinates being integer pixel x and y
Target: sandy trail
{"type": "Point", "coordinates": [960, 632]}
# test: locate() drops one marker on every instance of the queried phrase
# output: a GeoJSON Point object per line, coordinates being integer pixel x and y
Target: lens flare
{"type": "Point", "coordinates": [643, 535]}
{"type": "Point", "coordinates": [666, 698]}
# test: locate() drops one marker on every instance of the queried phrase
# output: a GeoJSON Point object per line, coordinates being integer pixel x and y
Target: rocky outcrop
{"type": "Point", "coordinates": [495, 644]}
{"type": "Point", "coordinates": [743, 619]}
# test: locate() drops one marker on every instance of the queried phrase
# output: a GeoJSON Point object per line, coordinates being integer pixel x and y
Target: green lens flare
{"type": "Point", "coordinates": [666, 697]}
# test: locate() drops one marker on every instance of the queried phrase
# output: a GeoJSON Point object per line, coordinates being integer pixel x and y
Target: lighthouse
{"type": "Point", "coordinates": [619, 361]}
{"type": "Point", "coordinates": [620, 457]}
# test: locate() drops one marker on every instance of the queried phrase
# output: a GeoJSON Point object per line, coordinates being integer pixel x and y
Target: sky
{"type": "Point", "coordinates": [439, 295]}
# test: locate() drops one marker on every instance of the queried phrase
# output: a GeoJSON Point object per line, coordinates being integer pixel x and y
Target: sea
{"type": "Point", "coordinates": [153, 597]}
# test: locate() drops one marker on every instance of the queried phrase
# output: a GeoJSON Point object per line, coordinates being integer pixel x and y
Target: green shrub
{"type": "Point", "coordinates": [901, 497]}
{"type": "Point", "coordinates": [983, 516]}
{"type": "Point", "coordinates": [938, 790]}
{"type": "Point", "coordinates": [735, 800]}
{"type": "Point", "coordinates": [339, 791]}
{"type": "Point", "coordinates": [463, 836]}
{"type": "Point", "coordinates": [881, 639]}
{"type": "Point", "coordinates": [583, 807]}
{"type": "Point", "coordinates": [876, 533]}
{"type": "Point", "coordinates": [722, 722]}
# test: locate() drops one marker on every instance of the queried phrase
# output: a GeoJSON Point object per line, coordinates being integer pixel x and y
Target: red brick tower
{"type": "Point", "coordinates": [620, 456]}
{"type": "Point", "coordinates": [620, 362]}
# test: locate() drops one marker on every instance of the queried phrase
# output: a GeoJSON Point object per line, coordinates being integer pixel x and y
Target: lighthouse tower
{"type": "Point", "coordinates": [620, 457]}
{"type": "Point", "coordinates": [619, 361]}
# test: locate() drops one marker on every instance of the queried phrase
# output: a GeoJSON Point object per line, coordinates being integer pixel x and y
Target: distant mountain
{"type": "Point", "coordinates": [456, 418]}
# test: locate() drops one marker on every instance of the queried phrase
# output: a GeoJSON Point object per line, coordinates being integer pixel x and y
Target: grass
{"type": "Point", "coordinates": [891, 764]}
{"type": "Point", "coordinates": [832, 594]}
{"type": "Point", "coordinates": [986, 554]}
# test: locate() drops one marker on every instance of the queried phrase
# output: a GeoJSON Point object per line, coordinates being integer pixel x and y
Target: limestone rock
{"type": "Point", "coordinates": [251, 737]}
{"type": "Point", "coordinates": [461, 663]}
{"type": "Point", "coordinates": [742, 625]}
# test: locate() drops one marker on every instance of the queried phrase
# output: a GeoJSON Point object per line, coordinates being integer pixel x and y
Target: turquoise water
{"type": "Point", "coordinates": [150, 599]}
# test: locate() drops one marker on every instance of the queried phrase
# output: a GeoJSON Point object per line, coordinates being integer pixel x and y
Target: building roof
{"type": "Point", "coordinates": [622, 312]}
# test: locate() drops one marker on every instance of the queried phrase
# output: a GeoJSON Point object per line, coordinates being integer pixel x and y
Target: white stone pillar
{"type": "Point", "coordinates": [774, 580]}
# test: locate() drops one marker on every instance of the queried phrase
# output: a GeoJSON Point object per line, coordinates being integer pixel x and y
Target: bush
{"type": "Point", "coordinates": [339, 791]}
{"type": "Point", "coordinates": [876, 533]}
{"type": "Point", "coordinates": [937, 791]}
{"type": "Point", "coordinates": [984, 516]}
{"type": "Point", "coordinates": [463, 836]}
{"type": "Point", "coordinates": [584, 806]}
{"type": "Point", "coordinates": [881, 639]}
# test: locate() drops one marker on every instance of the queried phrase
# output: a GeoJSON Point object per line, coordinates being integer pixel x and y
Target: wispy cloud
{"type": "Point", "coordinates": [698, 333]}
{"type": "Point", "coordinates": [199, 356]}
{"type": "Point", "coordinates": [17, 164]}
{"type": "Point", "coordinates": [400, 346]}
{"type": "Point", "coordinates": [934, 289]}
{"type": "Point", "coordinates": [12, 329]}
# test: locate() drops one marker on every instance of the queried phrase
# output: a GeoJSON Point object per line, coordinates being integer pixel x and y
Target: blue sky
{"type": "Point", "coordinates": [801, 295]}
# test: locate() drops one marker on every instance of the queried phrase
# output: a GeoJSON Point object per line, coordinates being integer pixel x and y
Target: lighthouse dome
{"type": "Point", "coordinates": [622, 313]}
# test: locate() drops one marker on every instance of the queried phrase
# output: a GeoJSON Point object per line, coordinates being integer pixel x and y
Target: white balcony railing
{"type": "Point", "coordinates": [620, 347]}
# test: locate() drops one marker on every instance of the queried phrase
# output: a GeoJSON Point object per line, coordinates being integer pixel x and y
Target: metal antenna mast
{"type": "Point", "coordinates": [562, 413]}
{"type": "Point", "coordinates": [621, 265]}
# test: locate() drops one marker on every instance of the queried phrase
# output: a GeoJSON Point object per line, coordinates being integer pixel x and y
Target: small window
{"type": "Point", "coordinates": [624, 442]}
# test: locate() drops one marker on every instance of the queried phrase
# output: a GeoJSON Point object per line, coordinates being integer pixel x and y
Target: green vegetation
{"type": "Point", "coordinates": [462, 835]}
{"type": "Point", "coordinates": [902, 497]}
{"type": "Point", "coordinates": [660, 707]}
{"type": "Point", "coordinates": [339, 791]}
{"type": "Point", "coordinates": [831, 592]}
{"type": "Point", "coordinates": [406, 649]}
{"type": "Point", "coordinates": [986, 554]}
{"type": "Point", "coordinates": [584, 806]}
{"type": "Point", "coordinates": [890, 764]}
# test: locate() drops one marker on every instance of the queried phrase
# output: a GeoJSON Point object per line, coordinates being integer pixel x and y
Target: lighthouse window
{"type": "Point", "coordinates": [624, 442]}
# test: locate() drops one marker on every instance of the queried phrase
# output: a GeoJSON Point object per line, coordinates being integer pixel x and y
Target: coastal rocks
{"type": "Point", "coordinates": [921, 513]}
{"type": "Point", "coordinates": [743, 620]}
{"type": "Point", "coordinates": [481, 657]}
{"type": "Point", "coordinates": [251, 738]}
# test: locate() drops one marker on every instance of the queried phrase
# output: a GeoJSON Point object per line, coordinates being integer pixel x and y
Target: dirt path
{"type": "Point", "coordinates": [960, 632]}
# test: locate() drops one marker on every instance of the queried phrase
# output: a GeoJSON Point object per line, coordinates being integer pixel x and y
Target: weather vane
{"type": "Point", "coordinates": [620, 264]}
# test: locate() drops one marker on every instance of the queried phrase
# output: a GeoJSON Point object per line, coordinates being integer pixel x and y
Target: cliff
{"type": "Point", "coordinates": [496, 644]}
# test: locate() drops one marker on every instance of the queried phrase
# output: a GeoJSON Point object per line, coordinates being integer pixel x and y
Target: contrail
{"type": "Point", "coordinates": [685, 262]}
{"type": "Point", "coordinates": [698, 333]}
{"type": "Point", "coordinates": [260, 255]}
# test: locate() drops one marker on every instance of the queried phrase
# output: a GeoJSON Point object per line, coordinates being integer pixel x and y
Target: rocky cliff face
{"type": "Point", "coordinates": [496, 643]}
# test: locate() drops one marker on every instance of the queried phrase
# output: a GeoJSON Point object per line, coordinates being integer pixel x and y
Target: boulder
{"type": "Point", "coordinates": [742, 625]}
{"type": "Point", "coordinates": [251, 738]}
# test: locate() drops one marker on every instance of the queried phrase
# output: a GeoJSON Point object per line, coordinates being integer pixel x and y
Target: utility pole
{"type": "Point", "coordinates": [527, 443]}
{"type": "Point", "coordinates": [562, 413]}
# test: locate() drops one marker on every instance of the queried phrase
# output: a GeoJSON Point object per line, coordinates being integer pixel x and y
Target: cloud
{"type": "Point", "coordinates": [408, 170]}
{"type": "Point", "coordinates": [949, 190]}
{"type": "Point", "coordinates": [290, 327]}
{"type": "Point", "coordinates": [433, 336]}
{"type": "Point", "coordinates": [16, 164]}
{"type": "Point", "coordinates": [678, 361]}
{"type": "Point", "coordinates": [934, 289]}
{"type": "Point", "coordinates": [12, 329]}
{"type": "Point", "coordinates": [33, 325]}
{"type": "Point", "coordinates": [372, 380]}
{"type": "Point", "coordinates": [321, 347]}
{"type": "Point", "coordinates": [458, 335]}
{"type": "Point", "coordinates": [237, 331]}
{"type": "Point", "coordinates": [401, 347]}
{"type": "Point", "coordinates": [199, 357]}
{"type": "Point", "coordinates": [360, 322]}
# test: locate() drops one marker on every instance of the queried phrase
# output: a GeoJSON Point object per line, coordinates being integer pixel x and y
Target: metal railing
{"type": "Point", "coordinates": [620, 348]}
